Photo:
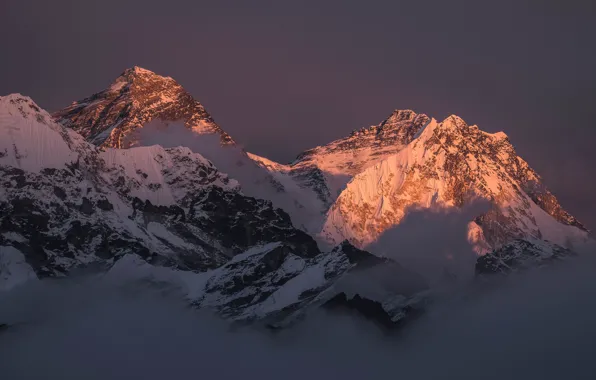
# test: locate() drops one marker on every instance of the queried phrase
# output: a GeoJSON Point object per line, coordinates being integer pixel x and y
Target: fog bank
{"type": "Point", "coordinates": [538, 324]}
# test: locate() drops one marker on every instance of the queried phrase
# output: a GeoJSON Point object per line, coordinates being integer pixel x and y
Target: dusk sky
{"type": "Point", "coordinates": [282, 77]}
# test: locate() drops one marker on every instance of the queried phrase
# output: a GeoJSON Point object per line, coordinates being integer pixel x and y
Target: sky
{"type": "Point", "coordinates": [282, 77]}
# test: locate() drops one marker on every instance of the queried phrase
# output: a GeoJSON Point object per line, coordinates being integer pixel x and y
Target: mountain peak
{"type": "Point", "coordinates": [137, 97]}
{"type": "Point", "coordinates": [500, 135]}
{"type": "Point", "coordinates": [138, 78]}
{"type": "Point", "coordinates": [442, 166]}
{"type": "Point", "coordinates": [16, 98]}
{"type": "Point", "coordinates": [401, 126]}
{"type": "Point", "coordinates": [22, 104]}
{"type": "Point", "coordinates": [399, 118]}
{"type": "Point", "coordinates": [136, 72]}
{"type": "Point", "coordinates": [139, 70]}
{"type": "Point", "coordinates": [455, 120]}
{"type": "Point", "coordinates": [398, 114]}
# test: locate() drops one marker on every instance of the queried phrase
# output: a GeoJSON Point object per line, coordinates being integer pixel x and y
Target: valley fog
{"type": "Point", "coordinates": [535, 325]}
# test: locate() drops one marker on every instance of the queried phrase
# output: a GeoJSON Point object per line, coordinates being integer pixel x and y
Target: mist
{"type": "Point", "coordinates": [434, 242]}
{"type": "Point", "coordinates": [538, 324]}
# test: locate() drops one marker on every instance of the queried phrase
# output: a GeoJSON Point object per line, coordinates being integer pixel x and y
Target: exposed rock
{"type": "Point", "coordinates": [449, 165]}
{"type": "Point", "coordinates": [138, 96]}
{"type": "Point", "coordinates": [520, 255]}
{"type": "Point", "coordinates": [272, 283]}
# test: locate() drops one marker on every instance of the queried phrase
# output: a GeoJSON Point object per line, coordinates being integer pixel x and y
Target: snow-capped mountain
{"type": "Point", "coordinates": [449, 164]}
{"type": "Point", "coordinates": [111, 117]}
{"type": "Point", "coordinates": [143, 108]}
{"type": "Point", "coordinates": [327, 169]}
{"type": "Point", "coordinates": [357, 187]}
{"type": "Point", "coordinates": [67, 205]}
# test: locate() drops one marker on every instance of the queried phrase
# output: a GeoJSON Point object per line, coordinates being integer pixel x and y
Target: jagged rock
{"type": "Point", "coordinates": [327, 169]}
{"type": "Point", "coordinates": [449, 165]}
{"type": "Point", "coordinates": [138, 96]}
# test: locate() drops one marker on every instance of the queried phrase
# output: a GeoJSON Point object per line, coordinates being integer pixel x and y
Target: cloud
{"type": "Point", "coordinates": [433, 242]}
{"type": "Point", "coordinates": [535, 325]}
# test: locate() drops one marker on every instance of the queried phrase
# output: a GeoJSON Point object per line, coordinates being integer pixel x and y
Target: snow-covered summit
{"type": "Point", "coordinates": [138, 96]}
{"type": "Point", "coordinates": [12, 100]}
{"type": "Point", "coordinates": [327, 169]}
{"type": "Point", "coordinates": [449, 164]}
{"type": "Point", "coordinates": [351, 154]}
{"type": "Point", "coordinates": [30, 140]}
{"type": "Point", "coordinates": [18, 104]}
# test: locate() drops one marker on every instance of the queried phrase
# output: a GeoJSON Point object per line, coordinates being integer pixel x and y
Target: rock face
{"type": "Point", "coordinates": [138, 96]}
{"type": "Point", "coordinates": [450, 164]}
{"type": "Point", "coordinates": [370, 180]}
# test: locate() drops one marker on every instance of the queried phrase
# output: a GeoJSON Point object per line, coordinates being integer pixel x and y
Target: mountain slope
{"type": "Point", "coordinates": [449, 164]}
{"type": "Point", "coordinates": [351, 155]}
{"type": "Point", "coordinates": [327, 169]}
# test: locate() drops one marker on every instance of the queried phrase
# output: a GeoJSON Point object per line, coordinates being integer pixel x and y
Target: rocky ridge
{"type": "Point", "coordinates": [450, 164]}
{"type": "Point", "coordinates": [110, 118]}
